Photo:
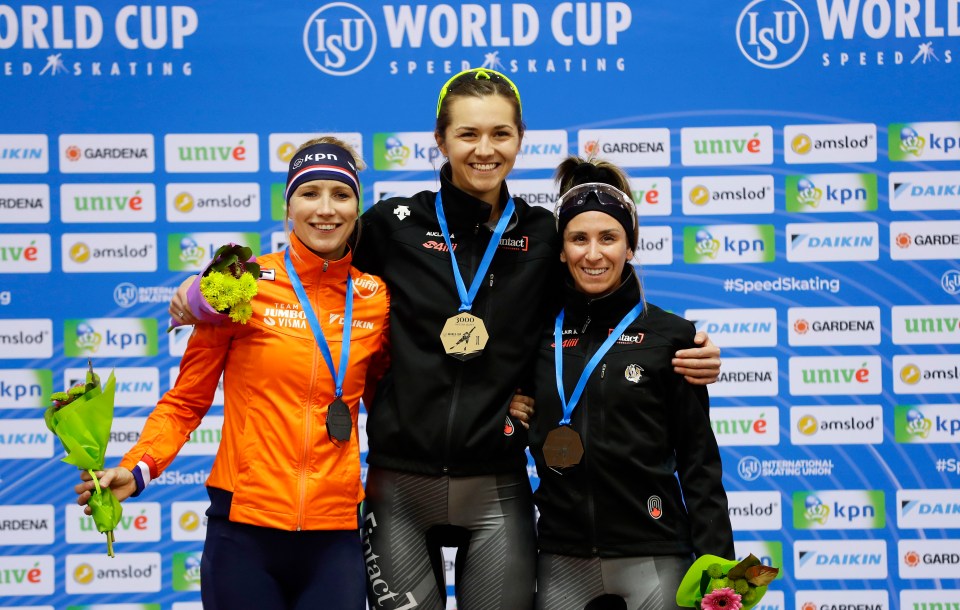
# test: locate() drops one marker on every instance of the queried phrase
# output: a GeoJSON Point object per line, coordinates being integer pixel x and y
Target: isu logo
{"type": "Point", "coordinates": [912, 559]}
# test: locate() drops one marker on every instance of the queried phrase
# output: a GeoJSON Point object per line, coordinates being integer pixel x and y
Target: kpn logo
{"type": "Point", "coordinates": [938, 141]}
{"type": "Point", "coordinates": [389, 151]}
{"type": "Point", "coordinates": [117, 337]}
{"type": "Point", "coordinates": [728, 244]}
{"type": "Point", "coordinates": [926, 424]}
{"type": "Point", "coordinates": [186, 571]}
{"type": "Point", "coordinates": [839, 510]}
{"type": "Point", "coordinates": [820, 193]}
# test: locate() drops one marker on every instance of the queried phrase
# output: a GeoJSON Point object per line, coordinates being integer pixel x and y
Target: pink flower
{"type": "Point", "coordinates": [721, 599]}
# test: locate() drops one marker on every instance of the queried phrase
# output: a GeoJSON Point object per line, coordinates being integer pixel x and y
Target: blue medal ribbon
{"type": "Point", "coordinates": [466, 298]}
{"type": "Point", "coordinates": [338, 376]}
{"type": "Point", "coordinates": [569, 406]}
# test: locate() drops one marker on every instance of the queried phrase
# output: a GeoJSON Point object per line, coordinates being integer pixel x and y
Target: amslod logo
{"type": "Point", "coordinates": [26, 338]}
{"type": "Point", "coordinates": [926, 424]}
{"type": "Point", "coordinates": [825, 193]}
{"type": "Point", "coordinates": [840, 559]}
{"type": "Point", "coordinates": [103, 337]}
{"type": "Point", "coordinates": [911, 191]}
{"type": "Point", "coordinates": [725, 244]}
{"type": "Point", "coordinates": [188, 520]}
{"type": "Point", "coordinates": [928, 559]}
{"type": "Point", "coordinates": [25, 388]}
{"type": "Point", "coordinates": [832, 241]}
{"type": "Point", "coordinates": [772, 33]}
{"type": "Point", "coordinates": [838, 510]}
{"type": "Point", "coordinates": [925, 324]}
{"type": "Point", "coordinates": [705, 195]}
{"type": "Point", "coordinates": [840, 425]}
{"type": "Point", "coordinates": [843, 143]}
{"type": "Point", "coordinates": [208, 202]}
{"type": "Point", "coordinates": [748, 377]}
{"type": "Point", "coordinates": [755, 510]}
{"type": "Point", "coordinates": [835, 375]}
{"type": "Point", "coordinates": [654, 246]}
{"type": "Point", "coordinates": [928, 509]}
{"type": "Point", "coordinates": [108, 252]}
{"type": "Point", "coordinates": [737, 327]}
{"type": "Point", "coordinates": [924, 141]}
{"type": "Point", "coordinates": [125, 573]}
{"type": "Point", "coordinates": [192, 251]}
{"type": "Point", "coordinates": [926, 374]}
{"type": "Point", "coordinates": [409, 150]}
{"type": "Point", "coordinates": [22, 575]}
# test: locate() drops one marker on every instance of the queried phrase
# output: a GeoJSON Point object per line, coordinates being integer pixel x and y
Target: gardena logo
{"type": "Point", "coordinates": [339, 39]}
{"type": "Point", "coordinates": [772, 33]}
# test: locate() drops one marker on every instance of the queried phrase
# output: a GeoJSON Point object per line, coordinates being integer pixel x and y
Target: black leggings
{"type": "Point", "coordinates": [246, 567]}
{"type": "Point", "coordinates": [408, 518]}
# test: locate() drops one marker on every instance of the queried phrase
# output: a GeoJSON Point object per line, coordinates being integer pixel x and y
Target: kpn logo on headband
{"type": "Point", "coordinates": [192, 251]}
{"type": "Point", "coordinates": [116, 337]}
{"type": "Point", "coordinates": [924, 141]}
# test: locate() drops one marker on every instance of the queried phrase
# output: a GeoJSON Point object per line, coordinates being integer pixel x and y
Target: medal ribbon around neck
{"type": "Point", "coordinates": [466, 298]}
{"type": "Point", "coordinates": [338, 376]}
{"type": "Point", "coordinates": [569, 406]}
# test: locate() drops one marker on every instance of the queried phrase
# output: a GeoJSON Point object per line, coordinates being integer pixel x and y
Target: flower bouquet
{"type": "Point", "coordinates": [715, 583]}
{"type": "Point", "coordinates": [81, 418]}
{"type": "Point", "coordinates": [225, 287]}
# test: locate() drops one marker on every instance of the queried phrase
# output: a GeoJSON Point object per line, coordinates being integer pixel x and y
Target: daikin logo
{"type": "Point", "coordinates": [838, 559]}
{"type": "Point", "coordinates": [928, 508]}
{"type": "Point", "coordinates": [772, 33]}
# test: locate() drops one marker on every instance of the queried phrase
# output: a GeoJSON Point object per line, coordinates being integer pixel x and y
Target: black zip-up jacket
{"type": "Point", "coordinates": [640, 422]}
{"type": "Point", "coordinates": [434, 414]}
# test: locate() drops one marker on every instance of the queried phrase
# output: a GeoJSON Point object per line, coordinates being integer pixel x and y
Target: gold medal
{"type": "Point", "coordinates": [563, 448]}
{"type": "Point", "coordinates": [464, 336]}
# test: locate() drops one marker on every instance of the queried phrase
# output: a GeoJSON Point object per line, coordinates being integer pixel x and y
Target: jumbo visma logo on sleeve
{"type": "Point", "coordinates": [117, 337]}
{"type": "Point", "coordinates": [839, 510]}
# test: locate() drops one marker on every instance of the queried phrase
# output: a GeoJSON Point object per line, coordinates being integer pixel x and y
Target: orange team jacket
{"type": "Point", "coordinates": [275, 454]}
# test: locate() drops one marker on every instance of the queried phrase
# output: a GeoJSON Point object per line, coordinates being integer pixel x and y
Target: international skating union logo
{"type": "Point", "coordinates": [339, 39]}
{"type": "Point", "coordinates": [772, 33]}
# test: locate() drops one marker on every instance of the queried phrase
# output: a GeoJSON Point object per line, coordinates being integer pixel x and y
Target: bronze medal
{"type": "Point", "coordinates": [464, 336]}
{"type": "Point", "coordinates": [563, 448]}
{"type": "Point", "coordinates": [339, 422]}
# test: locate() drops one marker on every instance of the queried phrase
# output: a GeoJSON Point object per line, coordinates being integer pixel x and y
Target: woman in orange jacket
{"type": "Point", "coordinates": [284, 488]}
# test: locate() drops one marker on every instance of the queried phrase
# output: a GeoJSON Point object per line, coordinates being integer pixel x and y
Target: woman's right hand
{"type": "Point", "coordinates": [179, 306]}
{"type": "Point", "coordinates": [120, 480]}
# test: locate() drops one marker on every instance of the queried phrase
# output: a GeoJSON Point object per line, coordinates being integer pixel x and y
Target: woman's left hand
{"type": "Point", "coordinates": [699, 365]}
{"type": "Point", "coordinates": [521, 408]}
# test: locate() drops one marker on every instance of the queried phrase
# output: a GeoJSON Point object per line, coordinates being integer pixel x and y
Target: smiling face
{"type": "Point", "coordinates": [595, 249]}
{"type": "Point", "coordinates": [324, 213]}
{"type": "Point", "coordinates": [481, 142]}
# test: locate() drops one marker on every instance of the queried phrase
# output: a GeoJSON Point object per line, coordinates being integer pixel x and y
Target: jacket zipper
{"type": "Point", "coordinates": [307, 417]}
{"type": "Point", "coordinates": [585, 415]}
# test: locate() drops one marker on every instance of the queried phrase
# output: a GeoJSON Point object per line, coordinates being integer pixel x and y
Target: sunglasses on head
{"type": "Point", "coordinates": [606, 195]}
{"type": "Point", "coordinates": [479, 73]}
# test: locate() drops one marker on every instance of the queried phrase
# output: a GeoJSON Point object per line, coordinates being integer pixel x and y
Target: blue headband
{"type": "Point", "coordinates": [322, 162]}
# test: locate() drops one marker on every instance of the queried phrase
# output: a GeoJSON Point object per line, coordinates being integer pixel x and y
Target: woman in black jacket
{"type": "Point", "coordinates": [614, 422]}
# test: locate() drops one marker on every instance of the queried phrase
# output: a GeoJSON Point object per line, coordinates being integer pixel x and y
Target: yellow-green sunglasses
{"type": "Point", "coordinates": [485, 73]}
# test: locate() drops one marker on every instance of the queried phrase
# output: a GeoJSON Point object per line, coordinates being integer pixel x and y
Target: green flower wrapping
{"type": "Point", "coordinates": [81, 418]}
{"type": "Point", "coordinates": [748, 578]}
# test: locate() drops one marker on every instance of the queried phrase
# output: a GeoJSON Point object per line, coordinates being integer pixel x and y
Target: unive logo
{"type": "Point", "coordinates": [928, 508]}
{"type": "Point", "coordinates": [186, 571]}
{"type": "Point", "coordinates": [840, 425]}
{"type": "Point", "coordinates": [542, 149]}
{"type": "Point", "coordinates": [282, 146]}
{"type": "Point", "coordinates": [839, 560]}
{"type": "Point", "coordinates": [25, 253]}
{"type": "Point", "coordinates": [211, 152]}
{"type": "Point", "coordinates": [748, 377]}
{"type": "Point", "coordinates": [839, 510]}
{"type": "Point", "coordinates": [22, 575]}
{"type": "Point", "coordinates": [745, 426]}
{"type": "Point", "coordinates": [26, 338]}
{"type": "Point", "coordinates": [652, 196]}
{"type": "Point", "coordinates": [131, 153]}
{"type": "Point", "coordinates": [24, 154]}
{"type": "Point", "coordinates": [205, 439]}
{"type": "Point", "coordinates": [834, 241]}
{"type": "Point", "coordinates": [208, 202]}
{"type": "Point", "coordinates": [926, 424]}
{"type": "Point", "coordinates": [140, 523]}
{"type": "Point", "coordinates": [924, 141]}
{"type": "Point", "coordinates": [924, 191]}
{"type": "Point", "coordinates": [409, 150]}
{"type": "Point", "coordinates": [23, 524]}
{"type": "Point", "coordinates": [339, 39]}
{"type": "Point", "coordinates": [755, 327]}
{"type": "Point", "coordinates": [626, 147]}
{"type": "Point", "coordinates": [25, 439]}
{"type": "Point", "coordinates": [925, 324]}
{"type": "Point", "coordinates": [108, 203]}
{"type": "Point", "coordinates": [928, 559]}
{"type": "Point", "coordinates": [772, 34]}
{"type": "Point", "coordinates": [726, 244]}
{"type": "Point", "coordinates": [824, 193]}
{"type": "Point", "coordinates": [833, 325]}
{"type": "Point", "coordinates": [108, 252]}
{"type": "Point", "coordinates": [755, 510]}
{"type": "Point", "coordinates": [847, 599]}
{"type": "Point", "coordinates": [835, 375]}
{"type": "Point", "coordinates": [925, 240]}
{"type": "Point", "coordinates": [726, 145]}
{"type": "Point", "coordinates": [192, 251]}
{"type": "Point", "coordinates": [930, 599]}
{"type": "Point", "coordinates": [926, 374]}
{"type": "Point", "coordinates": [842, 143]}
{"type": "Point", "coordinates": [24, 203]}
{"type": "Point", "coordinates": [125, 573]}
{"type": "Point", "coordinates": [110, 337]}
{"type": "Point", "coordinates": [727, 195]}
{"type": "Point", "coordinates": [654, 246]}
{"type": "Point", "coordinates": [188, 520]}
{"type": "Point", "coordinates": [25, 388]}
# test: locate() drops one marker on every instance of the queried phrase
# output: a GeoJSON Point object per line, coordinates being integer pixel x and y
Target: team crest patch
{"type": "Point", "coordinates": [508, 427]}
{"type": "Point", "coordinates": [401, 211]}
{"type": "Point", "coordinates": [655, 507]}
{"type": "Point", "coordinates": [633, 373]}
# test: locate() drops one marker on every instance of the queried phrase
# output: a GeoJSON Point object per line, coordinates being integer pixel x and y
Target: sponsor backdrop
{"type": "Point", "coordinates": [797, 168]}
